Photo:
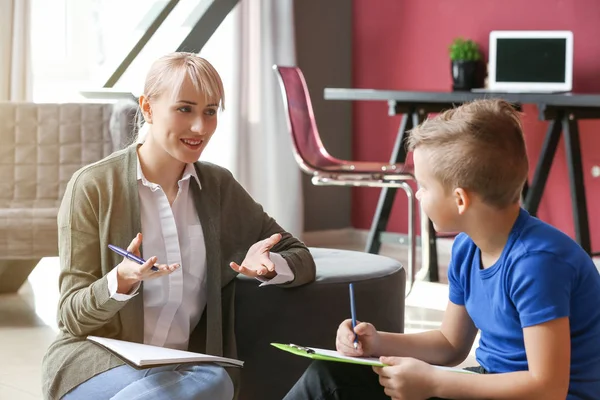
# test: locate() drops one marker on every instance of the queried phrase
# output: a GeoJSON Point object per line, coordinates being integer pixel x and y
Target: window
{"type": "Point", "coordinates": [77, 44]}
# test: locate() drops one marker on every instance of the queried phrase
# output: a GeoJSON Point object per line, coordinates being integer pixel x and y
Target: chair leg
{"type": "Point", "coordinates": [412, 240]}
{"type": "Point", "coordinates": [412, 202]}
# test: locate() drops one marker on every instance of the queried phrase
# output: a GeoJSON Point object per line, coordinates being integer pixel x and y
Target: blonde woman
{"type": "Point", "coordinates": [194, 220]}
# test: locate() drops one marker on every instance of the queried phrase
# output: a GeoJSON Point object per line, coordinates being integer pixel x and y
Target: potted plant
{"type": "Point", "coordinates": [464, 56]}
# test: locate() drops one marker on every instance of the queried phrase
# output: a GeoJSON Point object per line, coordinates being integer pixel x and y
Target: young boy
{"type": "Point", "coordinates": [532, 291]}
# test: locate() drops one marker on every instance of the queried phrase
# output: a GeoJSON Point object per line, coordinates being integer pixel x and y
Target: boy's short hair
{"type": "Point", "coordinates": [478, 146]}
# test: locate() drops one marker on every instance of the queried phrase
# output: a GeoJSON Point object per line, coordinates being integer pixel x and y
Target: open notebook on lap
{"type": "Point", "coordinates": [145, 356]}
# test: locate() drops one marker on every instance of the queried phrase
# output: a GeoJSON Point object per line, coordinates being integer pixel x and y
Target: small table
{"type": "Point", "coordinates": [563, 110]}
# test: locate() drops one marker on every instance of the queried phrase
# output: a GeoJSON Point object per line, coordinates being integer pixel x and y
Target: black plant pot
{"type": "Point", "coordinates": [464, 74]}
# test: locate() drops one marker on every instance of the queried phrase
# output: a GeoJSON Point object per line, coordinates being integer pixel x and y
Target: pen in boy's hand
{"type": "Point", "coordinates": [353, 313]}
{"type": "Point", "coordinates": [130, 256]}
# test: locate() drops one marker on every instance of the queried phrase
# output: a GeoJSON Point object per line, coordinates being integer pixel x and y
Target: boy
{"type": "Point", "coordinates": [532, 291]}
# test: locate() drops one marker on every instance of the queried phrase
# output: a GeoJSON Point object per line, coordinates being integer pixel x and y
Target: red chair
{"type": "Point", "coordinates": [313, 158]}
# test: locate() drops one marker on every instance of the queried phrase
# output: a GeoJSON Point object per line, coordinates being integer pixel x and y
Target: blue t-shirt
{"type": "Point", "coordinates": [541, 275]}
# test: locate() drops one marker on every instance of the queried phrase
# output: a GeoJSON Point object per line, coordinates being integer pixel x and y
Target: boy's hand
{"type": "Point", "coordinates": [406, 378]}
{"type": "Point", "coordinates": [368, 339]}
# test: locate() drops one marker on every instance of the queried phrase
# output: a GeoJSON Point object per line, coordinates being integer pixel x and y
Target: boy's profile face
{"type": "Point", "coordinates": [439, 204]}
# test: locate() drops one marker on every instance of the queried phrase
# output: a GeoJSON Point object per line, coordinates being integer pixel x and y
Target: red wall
{"type": "Point", "coordinates": [402, 44]}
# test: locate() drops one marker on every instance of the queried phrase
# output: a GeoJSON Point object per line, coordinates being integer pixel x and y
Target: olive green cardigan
{"type": "Point", "coordinates": [101, 206]}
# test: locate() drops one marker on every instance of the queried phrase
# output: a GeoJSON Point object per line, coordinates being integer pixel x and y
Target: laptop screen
{"type": "Point", "coordinates": [531, 60]}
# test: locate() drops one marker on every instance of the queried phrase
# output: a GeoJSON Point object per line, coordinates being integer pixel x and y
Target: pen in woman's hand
{"type": "Point", "coordinates": [130, 256]}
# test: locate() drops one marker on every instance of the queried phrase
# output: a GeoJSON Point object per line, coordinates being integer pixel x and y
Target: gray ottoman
{"type": "Point", "coordinates": [309, 315]}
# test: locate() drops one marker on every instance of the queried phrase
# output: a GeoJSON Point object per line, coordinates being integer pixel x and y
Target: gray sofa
{"type": "Point", "coordinates": [41, 145]}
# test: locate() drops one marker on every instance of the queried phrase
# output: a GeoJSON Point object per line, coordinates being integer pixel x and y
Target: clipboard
{"type": "Point", "coordinates": [327, 355]}
{"type": "Point", "coordinates": [330, 355]}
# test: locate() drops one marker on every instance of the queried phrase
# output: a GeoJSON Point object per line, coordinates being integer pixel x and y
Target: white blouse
{"type": "Point", "coordinates": [173, 304]}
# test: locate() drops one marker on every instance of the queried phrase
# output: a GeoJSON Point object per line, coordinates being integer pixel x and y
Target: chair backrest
{"type": "Point", "coordinates": [309, 151]}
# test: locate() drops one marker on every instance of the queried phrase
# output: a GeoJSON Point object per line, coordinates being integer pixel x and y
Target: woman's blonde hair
{"type": "Point", "coordinates": [167, 74]}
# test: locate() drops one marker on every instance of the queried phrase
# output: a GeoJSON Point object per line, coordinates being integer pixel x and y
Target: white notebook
{"type": "Point", "coordinates": [146, 356]}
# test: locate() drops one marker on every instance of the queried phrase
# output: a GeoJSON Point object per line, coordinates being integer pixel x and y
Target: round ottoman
{"type": "Point", "coordinates": [309, 315]}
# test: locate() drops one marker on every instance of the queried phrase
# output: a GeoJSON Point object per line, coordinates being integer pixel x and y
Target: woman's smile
{"type": "Point", "coordinates": [192, 144]}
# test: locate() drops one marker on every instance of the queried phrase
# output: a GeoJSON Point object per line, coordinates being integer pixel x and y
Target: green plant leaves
{"type": "Point", "coordinates": [464, 50]}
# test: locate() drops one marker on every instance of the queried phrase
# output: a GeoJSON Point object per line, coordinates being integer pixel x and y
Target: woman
{"type": "Point", "coordinates": [195, 221]}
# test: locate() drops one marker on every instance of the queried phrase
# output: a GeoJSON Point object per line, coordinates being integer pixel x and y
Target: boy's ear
{"type": "Point", "coordinates": [462, 199]}
{"type": "Point", "coordinates": [146, 109]}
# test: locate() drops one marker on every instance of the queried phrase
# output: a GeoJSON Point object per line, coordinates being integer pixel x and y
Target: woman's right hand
{"type": "Point", "coordinates": [368, 339]}
{"type": "Point", "coordinates": [129, 273]}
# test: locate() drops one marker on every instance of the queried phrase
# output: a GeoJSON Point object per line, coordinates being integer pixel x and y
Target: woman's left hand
{"type": "Point", "coordinates": [258, 261]}
{"type": "Point", "coordinates": [406, 378]}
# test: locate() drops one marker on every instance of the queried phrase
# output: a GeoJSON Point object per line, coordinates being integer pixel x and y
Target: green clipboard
{"type": "Point", "coordinates": [329, 355]}
{"type": "Point", "coordinates": [326, 355]}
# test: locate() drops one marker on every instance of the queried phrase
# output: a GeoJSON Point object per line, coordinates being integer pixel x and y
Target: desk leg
{"type": "Point", "coordinates": [578, 200]}
{"type": "Point", "coordinates": [429, 248]}
{"type": "Point", "coordinates": [534, 193]}
{"type": "Point", "coordinates": [386, 197]}
{"type": "Point", "coordinates": [524, 192]}
{"type": "Point", "coordinates": [542, 169]}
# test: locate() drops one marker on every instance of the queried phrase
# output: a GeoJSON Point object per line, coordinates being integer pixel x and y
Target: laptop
{"type": "Point", "coordinates": [530, 62]}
